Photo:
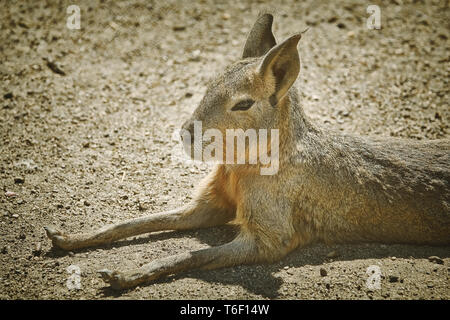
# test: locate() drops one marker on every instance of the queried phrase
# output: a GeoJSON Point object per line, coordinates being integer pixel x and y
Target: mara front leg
{"type": "Point", "coordinates": [206, 210]}
{"type": "Point", "coordinates": [179, 219]}
{"type": "Point", "coordinates": [242, 250]}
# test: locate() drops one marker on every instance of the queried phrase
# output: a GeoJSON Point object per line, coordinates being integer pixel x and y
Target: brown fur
{"type": "Point", "coordinates": [330, 187]}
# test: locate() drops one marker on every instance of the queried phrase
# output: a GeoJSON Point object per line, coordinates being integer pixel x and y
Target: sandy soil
{"type": "Point", "coordinates": [94, 146]}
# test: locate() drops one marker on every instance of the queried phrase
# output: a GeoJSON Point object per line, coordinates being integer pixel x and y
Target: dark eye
{"type": "Point", "coordinates": [243, 105]}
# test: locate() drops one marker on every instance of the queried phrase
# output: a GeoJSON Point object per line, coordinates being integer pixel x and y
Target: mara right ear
{"type": "Point", "coordinates": [260, 39]}
{"type": "Point", "coordinates": [280, 67]}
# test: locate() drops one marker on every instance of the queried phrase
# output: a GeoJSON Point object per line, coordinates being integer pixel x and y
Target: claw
{"type": "Point", "coordinates": [57, 237]}
{"type": "Point", "coordinates": [106, 274]}
{"type": "Point", "coordinates": [113, 278]}
{"type": "Point", "coordinates": [52, 232]}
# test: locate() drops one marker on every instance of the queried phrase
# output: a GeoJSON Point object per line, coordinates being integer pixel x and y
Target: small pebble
{"type": "Point", "coordinates": [323, 272]}
{"type": "Point", "coordinates": [179, 28]}
{"type": "Point", "coordinates": [332, 19]}
{"type": "Point", "coordinates": [38, 249]}
{"type": "Point", "coordinates": [195, 55]}
{"type": "Point", "coordinates": [393, 278]}
{"type": "Point", "coordinates": [8, 95]}
{"type": "Point", "coordinates": [10, 194]}
{"type": "Point", "coordinates": [19, 180]}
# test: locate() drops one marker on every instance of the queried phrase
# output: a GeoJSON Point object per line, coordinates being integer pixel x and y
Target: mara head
{"type": "Point", "coordinates": [249, 94]}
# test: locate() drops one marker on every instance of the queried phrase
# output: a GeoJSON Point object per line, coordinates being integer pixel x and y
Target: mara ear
{"type": "Point", "coordinates": [280, 67]}
{"type": "Point", "coordinates": [260, 39]}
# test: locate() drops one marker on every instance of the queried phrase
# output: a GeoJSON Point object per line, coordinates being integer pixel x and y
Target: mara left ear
{"type": "Point", "coordinates": [260, 39]}
{"type": "Point", "coordinates": [281, 66]}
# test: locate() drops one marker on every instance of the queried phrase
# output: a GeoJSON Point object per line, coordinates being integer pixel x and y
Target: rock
{"type": "Point", "coordinates": [19, 180]}
{"type": "Point", "coordinates": [393, 278]}
{"type": "Point", "coordinates": [323, 272]}
{"type": "Point", "coordinates": [142, 206]}
{"type": "Point", "coordinates": [436, 259]}
{"type": "Point", "coordinates": [179, 28]}
{"type": "Point", "coordinates": [195, 55]}
{"type": "Point", "coordinates": [10, 194]}
{"type": "Point", "coordinates": [38, 249]}
{"type": "Point", "coordinates": [8, 95]}
{"type": "Point", "coordinates": [332, 19]}
{"type": "Point", "coordinates": [5, 249]}
{"type": "Point", "coordinates": [54, 67]}
{"type": "Point", "coordinates": [71, 254]}
{"type": "Point", "coordinates": [15, 215]}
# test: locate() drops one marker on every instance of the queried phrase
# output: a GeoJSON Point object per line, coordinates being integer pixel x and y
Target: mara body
{"type": "Point", "coordinates": [329, 186]}
{"type": "Point", "coordinates": [341, 188]}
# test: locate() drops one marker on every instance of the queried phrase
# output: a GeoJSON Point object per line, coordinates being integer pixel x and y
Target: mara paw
{"type": "Point", "coordinates": [59, 239]}
{"type": "Point", "coordinates": [114, 279]}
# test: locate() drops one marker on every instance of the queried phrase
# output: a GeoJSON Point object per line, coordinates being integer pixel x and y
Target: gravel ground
{"type": "Point", "coordinates": [87, 118]}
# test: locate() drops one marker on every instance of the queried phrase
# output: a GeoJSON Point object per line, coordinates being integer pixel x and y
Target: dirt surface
{"type": "Point", "coordinates": [94, 145]}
